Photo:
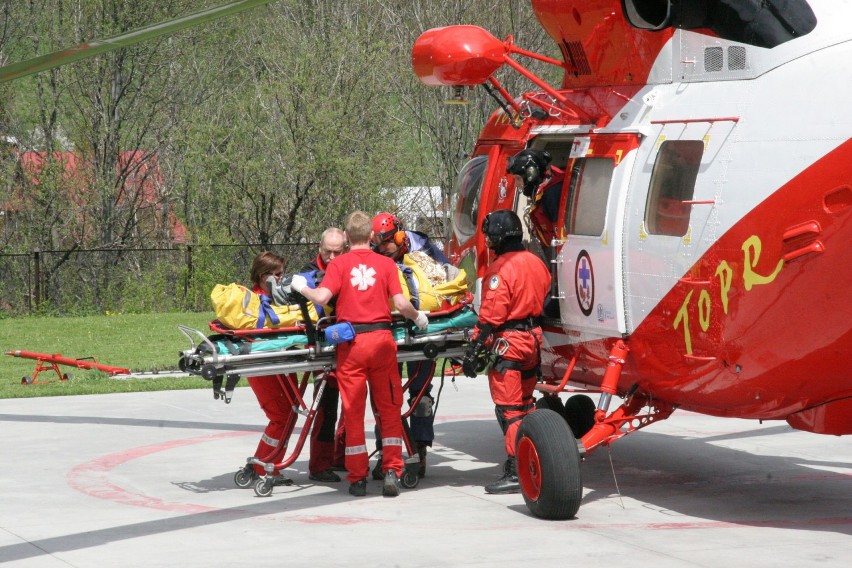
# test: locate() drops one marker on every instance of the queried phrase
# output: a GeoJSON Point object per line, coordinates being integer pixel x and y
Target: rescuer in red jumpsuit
{"type": "Point", "coordinates": [324, 439]}
{"type": "Point", "coordinates": [266, 269]}
{"type": "Point", "coordinates": [514, 289]}
{"type": "Point", "coordinates": [542, 184]}
{"type": "Point", "coordinates": [362, 281]}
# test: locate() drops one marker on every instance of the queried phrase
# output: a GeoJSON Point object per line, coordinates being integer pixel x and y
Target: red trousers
{"type": "Point", "coordinates": [370, 358]}
{"type": "Point", "coordinates": [512, 389]}
{"type": "Point", "coordinates": [277, 404]}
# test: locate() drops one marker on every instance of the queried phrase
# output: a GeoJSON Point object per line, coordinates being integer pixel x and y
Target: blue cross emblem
{"type": "Point", "coordinates": [584, 273]}
{"type": "Point", "coordinates": [584, 282]}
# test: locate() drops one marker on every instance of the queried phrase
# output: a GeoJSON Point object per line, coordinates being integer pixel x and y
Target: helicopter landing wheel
{"type": "Point", "coordinates": [548, 465]}
{"type": "Point", "coordinates": [550, 402]}
{"type": "Point", "coordinates": [579, 412]}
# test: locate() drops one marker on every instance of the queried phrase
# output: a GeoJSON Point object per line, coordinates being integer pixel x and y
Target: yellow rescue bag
{"type": "Point", "coordinates": [425, 278]}
{"type": "Point", "coordinates": [237, 307]}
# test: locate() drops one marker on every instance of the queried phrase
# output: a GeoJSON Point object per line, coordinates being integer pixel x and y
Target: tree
{"type": "Point", "coordinates": [447, 133]}
{"type": "Point", "coordinates": [305, 135]}
{"type": "Point", "coordinates": [120, 113]}
{"type": "Point", "coordinates": [112, 113]}
{"type": "Point", "coordinates": [264, 127]}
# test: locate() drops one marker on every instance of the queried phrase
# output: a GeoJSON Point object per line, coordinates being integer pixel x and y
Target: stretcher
{"type": "Point", "coordinates": [232, 354]}
{"type": "Point", "coordinates": [296, 354]}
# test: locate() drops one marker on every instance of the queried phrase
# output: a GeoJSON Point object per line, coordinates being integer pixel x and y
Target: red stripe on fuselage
{"type": "Point", "coordinates": [781, 345]}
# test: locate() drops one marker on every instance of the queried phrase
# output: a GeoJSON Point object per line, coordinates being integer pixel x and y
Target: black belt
{"type": "Point", "coordinates": [507, 364]}
{"type": "Point", "coordinates": [366, 327]}
{"type": "Point", "coordinates": [524, 324]}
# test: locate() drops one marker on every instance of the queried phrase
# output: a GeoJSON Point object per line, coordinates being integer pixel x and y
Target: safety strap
{"type": "Point", "coordinates": [525, 408]}
{"type": "Point", "coordinates": [411, 282]}
{"type": "Point", "coordinates": [233, 349]}
{"type": "Point", "coordinates": [311, 277]}
{"type": "Point", "coordinates": [310, 328]}
{"type": "Point", "coordinates": [510, 421]}
{"type": "Point", "coordinates": [509, 365]}
{"type": "Point", "coordinates": [266, 311]}
{"type": "Point", "coordinates": [519, 407]}
{"type": "Point", "coordinates": [523, 324]}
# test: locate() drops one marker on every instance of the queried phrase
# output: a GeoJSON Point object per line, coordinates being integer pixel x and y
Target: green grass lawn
{"type": "Point", "coordinates": [139, 342]}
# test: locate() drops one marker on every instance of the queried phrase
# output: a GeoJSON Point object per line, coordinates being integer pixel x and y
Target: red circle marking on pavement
{"type": "Point", "coordinates": [92, 478]}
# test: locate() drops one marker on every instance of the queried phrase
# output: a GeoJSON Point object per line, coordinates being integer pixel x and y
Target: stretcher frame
{"type": "Point", "coordinates": [315, 357]}
{"type": "Point", "coordinates": [318, 359]}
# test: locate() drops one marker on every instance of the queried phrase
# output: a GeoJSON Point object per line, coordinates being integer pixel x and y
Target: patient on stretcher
{"type": "Point", "coordinates": [433, 286]}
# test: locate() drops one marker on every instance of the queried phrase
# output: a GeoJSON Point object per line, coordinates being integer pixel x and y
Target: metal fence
{"type": "Point", "coordinates": [129, 280]}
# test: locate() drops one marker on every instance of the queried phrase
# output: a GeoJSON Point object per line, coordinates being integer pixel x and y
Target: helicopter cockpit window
{"type": "Point", "coordinates": [672, 187]}
{"type": "Point", "coordinates": [588, 193]}
{"type": "Point", "coordinates": [468, 191]}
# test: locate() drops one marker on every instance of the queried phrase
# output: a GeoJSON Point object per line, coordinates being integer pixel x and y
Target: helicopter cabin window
{"type": "Point", "coordinates": [588, 193]}
{"type": "Point", "coordinates": [468, 191]}
{"type": "Point", "coordinates": [672, 187]}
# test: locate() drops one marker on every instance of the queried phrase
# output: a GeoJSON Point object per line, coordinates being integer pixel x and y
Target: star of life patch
{"type": "Point", "coordinates": [494, 282]}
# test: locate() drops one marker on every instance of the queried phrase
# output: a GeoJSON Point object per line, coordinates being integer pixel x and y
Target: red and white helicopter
{"type": "Point", "coordinates": [701, 257]}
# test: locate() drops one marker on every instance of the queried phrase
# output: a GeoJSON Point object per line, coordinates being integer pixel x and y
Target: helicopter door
{"type": "Point", "coordinates": [670, 212]}
{"type": "Point", "coordinates": [589, 262]}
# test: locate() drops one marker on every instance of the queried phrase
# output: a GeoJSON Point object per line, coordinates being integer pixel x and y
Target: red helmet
{"type": "Point", "coordinates": [387, 228]}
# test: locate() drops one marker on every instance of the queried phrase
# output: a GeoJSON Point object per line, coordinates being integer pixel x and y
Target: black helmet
{"type": "Point", "coordinates": [531, 165]}
{"type": "Point", "coordinates": [502, 226]}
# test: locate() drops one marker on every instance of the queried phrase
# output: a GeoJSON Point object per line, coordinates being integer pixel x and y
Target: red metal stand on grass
{"type": "Point", "coordinates": [46, 362]}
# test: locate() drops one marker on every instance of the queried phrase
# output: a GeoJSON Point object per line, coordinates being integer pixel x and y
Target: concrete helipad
{"type": "Point", "coordinates": [147, 480]}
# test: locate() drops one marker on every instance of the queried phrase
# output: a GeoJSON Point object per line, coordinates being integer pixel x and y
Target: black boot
{"type": "Point", "coordinates": [421, 453]}
{"type": "Point", "coordinates": [509, 482]}
{"type": "Point", "coordinates": [378, 475]}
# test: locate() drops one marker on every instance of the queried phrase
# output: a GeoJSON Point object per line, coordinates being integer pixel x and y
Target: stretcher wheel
{"type": "Point", "coordinates": [548, 465]}
{"type": "Point", "coordinates": [263, 487]}
{"type": "Point", "coordinates": [66, 376]}
{"type": "Point", "coordinates": [245, 477]}
{"type": "Point", "coordinates": [430, 350]}
{"type": "Point", "coordinates": [409, 479]}
{"type": "Point", "coordinates": [209, 372]}
{"type": "Point", "coordinates": [26, 380]}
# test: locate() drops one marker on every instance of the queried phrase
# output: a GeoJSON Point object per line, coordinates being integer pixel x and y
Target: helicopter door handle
{"type": "Point", "coordinates": [801, 240]}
